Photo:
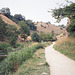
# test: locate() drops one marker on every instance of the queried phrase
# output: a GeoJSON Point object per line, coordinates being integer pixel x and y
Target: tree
{"type": "Point", "coordinates": [35, 37]}
{"type": "Point", "coordinates": [8, 32]}
{"type": "Point", "coordinates": [25, 30]}
{"type": "Point", "coordinates": [12, 34]}
{"type": "Point", "coordinates": [5, 11]}
{"type": "Point", "coordinates": [19, 17]}
{"type": "Point", "coordinates": [13, 19]}
{"type": "Point", "coordinates": [31, 25]}
{"type": "Point", "coordinates": [67, 11]}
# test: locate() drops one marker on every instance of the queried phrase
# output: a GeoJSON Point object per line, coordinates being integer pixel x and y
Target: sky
{"type": "Point", "coordinates": [35, 10]}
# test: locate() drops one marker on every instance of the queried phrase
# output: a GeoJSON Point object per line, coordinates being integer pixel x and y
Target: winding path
{"type": "Point", "coordinates": [59, 63]}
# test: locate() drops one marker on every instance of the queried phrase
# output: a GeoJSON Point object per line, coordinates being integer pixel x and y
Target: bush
{"type": "Point", "coordinates": [35, 37]}
{"type": "Point", "coordinates": [4, 46]}
{"type": "Point", "coordinates": [46, 37]}
{"type": "Point", "coordinates": [39, 46]}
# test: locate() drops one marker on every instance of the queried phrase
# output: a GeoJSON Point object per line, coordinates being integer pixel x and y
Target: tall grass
{"type": "Point", "coordinates": [66, 45]}
{"type": "Point", "coordinates": [34, 66]}
{"type": "Point", "coordinates": [15, 59]}
{"type": "Point", "coordinates": [66, 39]}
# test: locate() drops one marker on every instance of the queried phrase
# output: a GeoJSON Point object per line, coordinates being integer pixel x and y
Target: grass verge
{"type": "Point", "coordinates": [35, 66]}
{"type": "Point", "coordinates": [15, 59]}
{"type": "Point", "coordinates": [66, 46]}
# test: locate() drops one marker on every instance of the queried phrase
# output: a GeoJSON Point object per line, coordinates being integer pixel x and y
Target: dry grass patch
{"type": "Point", "coordinates": [66, 45]}
{"type": "Point", "coordinates": [66, 39]}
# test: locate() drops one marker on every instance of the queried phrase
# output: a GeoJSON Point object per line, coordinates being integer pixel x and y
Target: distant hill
{"type": "Point", "coordinates": [48, 28]}
{"type": "Point", "coordinates": [8, 21]}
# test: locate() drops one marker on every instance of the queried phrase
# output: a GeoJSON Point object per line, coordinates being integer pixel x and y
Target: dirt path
{"type": "Point", "coordinates": [59, 63]}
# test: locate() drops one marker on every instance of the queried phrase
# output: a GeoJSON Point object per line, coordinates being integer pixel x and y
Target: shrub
{"type": "Point", "coordinates": [46, 37]}
{"type": "Point", "coordinates": [35, 37]}
{"type": "Point", "coordinates": [4, 46]}
{"type": "Point", "coordinates": [39, 46]}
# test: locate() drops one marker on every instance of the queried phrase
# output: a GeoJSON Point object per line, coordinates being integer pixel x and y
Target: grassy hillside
{"type": "Point", "coordinates": [48, 28]}
{"type": "Point", "coordinates": [8, 21]}
{"type": "Point", "coordinates": [41, 27]}
{"type": "Point", "coordinates": [66, 45]}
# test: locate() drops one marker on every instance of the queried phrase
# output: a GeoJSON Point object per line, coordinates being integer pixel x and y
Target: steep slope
{"type": "Point", "coordinates": [48, 28]}
{"type": "Point", "coordinates": [8, 21]}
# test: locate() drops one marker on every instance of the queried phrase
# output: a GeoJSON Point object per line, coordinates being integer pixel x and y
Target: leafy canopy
{"type": "Point", "coordinates": [66, 11]}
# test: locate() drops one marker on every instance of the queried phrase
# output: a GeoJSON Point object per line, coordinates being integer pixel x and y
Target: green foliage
{"type": "Point", "coordinates": [4, 47]}
{"type": "Point", "coordinates": [66, 11]}
{"type": "Point", "coordinates": [31, 25]}
{"type": "Point", "coordinates": [19, 17]}
{"type": "Point", "coordinates": [11, 28]}
{"type": "Point", "coordinates": [13, 19]}
{"type": "Point", "coordinates": [36, 65]}
{"type": "Point", "coordinates": [16, 58]}
{"type": "Point", "coordinates": [71, 27]}
{"type": "Point", "coordinates": [46, 37]}
{"type": "Point", "coordinates": [72, 34]}
{"type": "Point", "coordinates": [12, 40]}
{"type": "Point", "coordinates": [38, 46]}
{"type": "Point", "coordinates": [24, 28]}
{"type": "Point", "coordinates": [8, 32]}
{"type": "Point", "coordinates": [35, 37]}
{"type": "Point", "coordinates": [12, 34]}
{"type": "Point", "coordinates": [7, 13]}
{"type": "Point", "coordinates": [3, 29]}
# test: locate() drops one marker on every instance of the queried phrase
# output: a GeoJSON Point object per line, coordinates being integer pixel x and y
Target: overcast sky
{"type": "Point", "coordinates": [36, 10]}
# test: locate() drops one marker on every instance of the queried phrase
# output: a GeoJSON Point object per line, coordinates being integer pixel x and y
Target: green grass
{"type": "Point", "coordinates": [66, 47]}
{"type": "Point", "coordinates": [35, 66]}
{"type": "Point", "coordinates": [21, 46]}
{"type": "Point", "coordinates": [16, 58]}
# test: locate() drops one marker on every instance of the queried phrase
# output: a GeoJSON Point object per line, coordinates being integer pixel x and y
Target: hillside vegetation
{"type": "Point", "coordinates": [48, 28]}
{"type": "Point", "coordinates": [8, 21]}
